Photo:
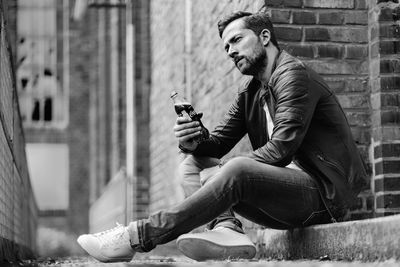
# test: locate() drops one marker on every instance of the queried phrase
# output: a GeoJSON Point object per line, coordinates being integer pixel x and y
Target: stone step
{"type": "Point", "coordinates": [366, 240]}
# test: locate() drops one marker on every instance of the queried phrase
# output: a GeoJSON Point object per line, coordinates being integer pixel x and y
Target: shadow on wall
{"type": "Point", "coordinates": [55, 243]}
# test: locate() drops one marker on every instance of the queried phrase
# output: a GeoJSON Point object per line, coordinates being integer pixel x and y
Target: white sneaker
{"type": "Point", "coordinates": [108, 246]}
{"type": "Point", "coordinates": [218, 244]}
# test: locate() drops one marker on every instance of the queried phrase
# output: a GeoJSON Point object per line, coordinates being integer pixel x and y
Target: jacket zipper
{"type": "Point", "coordinates": [333, 165]}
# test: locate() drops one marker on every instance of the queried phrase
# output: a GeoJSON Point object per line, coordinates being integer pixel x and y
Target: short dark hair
{"type": "Point", "coordinates": [253, 21]}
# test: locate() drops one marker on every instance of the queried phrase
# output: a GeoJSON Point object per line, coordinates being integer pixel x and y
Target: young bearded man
{"type": "Point", "coordinates": [304, 168]}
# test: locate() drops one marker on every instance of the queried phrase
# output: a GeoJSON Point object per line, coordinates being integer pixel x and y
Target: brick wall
{"type": "Point", "coordinates": [384, 40]}
{"type": "Point", "coordinates": [353, 44]}
{"type": "Point", "coordinates": [332, 38]}
{"type": "Point", "coordinates": [18, 210]}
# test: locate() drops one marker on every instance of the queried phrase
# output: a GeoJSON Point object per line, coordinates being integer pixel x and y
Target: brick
{"type": "Point", "coordinates": [339, 67]}
{"type": "Point", "coordinates": [293, 3]}
{"type": "Point", "coordinates": [330, 51]}
{"type": "Point", "coordinates": [361, 135]}
{"type": "Point", "coordinates": [387, 166]}
{"type": "Point", "coordinates": [274, 3]}
{"type": "Point", "coordinates": [370, 202]}
{"type": "Point", "coordinates": [304, 17]}
{"type": "Point", "coordinates": [300, 50]}
{"type": "Point", "coordinates": [360, 4]}
{"type": "Point", "coordinates": [317, 34]}
{"type": "Point", "coordinates": [388, 31]}
{"type": "Point", "coordinates": [390, 100]}
{"type": "Point", "coordinates": [390, 65]}
{"type": "Point", "coordinates": [385, 134]}
{"type": "Point", "coordinates": [284, 3]}
{"type": "Point", "coordinates": [288, 33]}
{"type": "Point", "coordinates": [349, 34]}
{"type": "Point", "coordinates": [389, 14]}
{"type": "Point", "coordinates": [388, 201]}
{"type": "Point", "coordinates": [357, 85]}
{"type": "Point", "coordinates": [387, 150]}
{"type": "Point", "coordinates": [337, 34]}
{"type": "Point", "coordinates": [374, 50]}
{"type": "Point", "coordinates": [389, 47]}
{"type": "Point", "coordinates": [356, 101]}
{"type": "Point", "coordinates": [280, 16]}
{"type": "Point", "coordinates": [356, 17]}
{"type": "Point", "coordinates": [331, 18]}
{"type": "Point", "coordinates": [389, 117]}
{"type": "Point", "coordinates": [329, 3]}
{"type": "Point", "coordinates": [344, 84]}
{"type": "Point", "coordinates": [373, 32]}
{"type": "Point", "coordinates": [389, 83]}
{"type": "Point", "coordinates": [356, 52]}
{"type": "Point", "coordinates": [335, 85]}
{"type": "Point", "coordinates": [359, 205]}
{"type": "Point", "coordinates": [358, 118]}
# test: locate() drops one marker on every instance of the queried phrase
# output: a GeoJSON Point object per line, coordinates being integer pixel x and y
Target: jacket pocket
{"type": "Point", "coordinates": [332, 165]}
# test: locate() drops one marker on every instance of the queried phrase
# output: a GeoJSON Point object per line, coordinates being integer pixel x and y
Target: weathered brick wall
{"type": "Point", "coordinates": [332, 38]}
{"type": "Point", "coordinates": [167, 32]}
{"type": "Point", "coordinates": [342, 40]}
{"type": "Point", "coordinates": [384, 47]}
{"type": "Point", "coordinates": [18, 210]}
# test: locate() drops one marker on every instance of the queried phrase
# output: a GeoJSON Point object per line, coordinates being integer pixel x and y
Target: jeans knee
{"type": "Point", "coordinates": [238, 164]}
{"type": "Point", "coordinates": [189, 172]}
{"type": "Point", "coordinates": [235, 168]}
{"type": "Point", "coordinates": [192, 165]}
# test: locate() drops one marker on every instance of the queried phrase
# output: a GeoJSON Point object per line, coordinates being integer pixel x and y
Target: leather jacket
{"type": "Point", "coordinates": [310, 128]}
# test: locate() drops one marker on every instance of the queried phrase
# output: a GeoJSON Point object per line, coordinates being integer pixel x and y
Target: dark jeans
{"type": "Point", "coordinates": [275, 197]}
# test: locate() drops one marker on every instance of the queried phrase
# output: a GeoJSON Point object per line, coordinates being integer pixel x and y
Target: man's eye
{"type": "Point", "coordinates": [237, 39]}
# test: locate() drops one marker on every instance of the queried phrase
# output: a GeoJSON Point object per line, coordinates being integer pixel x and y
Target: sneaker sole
{"type": "Point", "coordinates": [202, 250]}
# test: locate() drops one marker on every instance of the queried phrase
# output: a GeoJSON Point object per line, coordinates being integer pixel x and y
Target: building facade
{"type": "Point", "coordinates": [18, 206]}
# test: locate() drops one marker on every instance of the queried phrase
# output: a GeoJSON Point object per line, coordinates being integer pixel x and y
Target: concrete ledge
{"type": "Point", "coordinates": [369, 240]}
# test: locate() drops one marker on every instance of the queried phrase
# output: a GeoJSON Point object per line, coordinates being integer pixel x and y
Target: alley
{"type": "Point", "coordinates": [185, 262]}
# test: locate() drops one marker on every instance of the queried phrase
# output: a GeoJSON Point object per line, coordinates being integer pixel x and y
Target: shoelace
{"type": "Point", "coordinates": [109, 230]}
{"type": "Point", "coordinates": [114, 239]}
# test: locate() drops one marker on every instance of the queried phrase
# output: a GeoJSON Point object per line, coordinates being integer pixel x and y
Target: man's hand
{"type": "Point", "coordinates": [186, 130]}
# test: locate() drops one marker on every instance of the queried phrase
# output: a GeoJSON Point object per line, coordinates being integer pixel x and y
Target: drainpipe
{"type": "Point", "coordinates": [130, 116]}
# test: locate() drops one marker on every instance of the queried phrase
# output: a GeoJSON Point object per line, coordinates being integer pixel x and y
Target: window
{"type": "Point", "coordinates": [49, 170]}
{"type": "Point", "coordinates": [42, 98]}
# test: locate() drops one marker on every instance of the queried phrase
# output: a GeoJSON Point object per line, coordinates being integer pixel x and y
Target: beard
{"type": "Point", "coordinates": [253, 64]}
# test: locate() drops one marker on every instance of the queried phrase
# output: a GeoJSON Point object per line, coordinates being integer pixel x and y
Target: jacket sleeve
{"type": "Point", "coordinates": [227, 134]}
{"type": "Point", "coordinates": [295, 103]}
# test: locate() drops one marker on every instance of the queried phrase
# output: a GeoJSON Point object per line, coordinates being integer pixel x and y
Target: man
{"type": "Point", "coordinates": [304, 168]}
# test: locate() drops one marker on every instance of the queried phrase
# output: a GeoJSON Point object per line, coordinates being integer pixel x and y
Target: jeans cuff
{"type": "Point", "coordinates": [228, 222]}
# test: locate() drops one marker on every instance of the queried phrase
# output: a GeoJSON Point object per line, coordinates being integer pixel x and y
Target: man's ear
{"type": "Point", "coordinates": [265, 36]}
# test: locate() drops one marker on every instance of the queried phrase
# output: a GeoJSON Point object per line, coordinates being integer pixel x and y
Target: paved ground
{"type": "Point", "coordinates": [154, 261]}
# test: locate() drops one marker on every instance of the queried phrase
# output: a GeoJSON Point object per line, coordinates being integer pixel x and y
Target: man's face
{"type": "Point", "coordinates": [244, 47]}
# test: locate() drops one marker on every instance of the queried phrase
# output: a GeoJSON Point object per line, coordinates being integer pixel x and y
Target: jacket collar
{"type": "Point", "coordinates": [278, 59]}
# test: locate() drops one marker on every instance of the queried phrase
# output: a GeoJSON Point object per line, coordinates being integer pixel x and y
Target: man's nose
{"type": "Point", "coordinates": [232, 52]}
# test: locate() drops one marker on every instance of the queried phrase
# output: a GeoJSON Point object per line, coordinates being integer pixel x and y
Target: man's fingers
{"type": "Point", "coordinates": [187, 125]}
{"type": "Point", "coordinates": [188, 137]}
{"type": "Point", "coordinates": [183, 120]}
{"type": "Point", "coordinates": [188, 131]}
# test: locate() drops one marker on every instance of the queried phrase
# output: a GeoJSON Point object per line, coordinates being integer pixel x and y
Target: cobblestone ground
{"type": "Point", "coordinates": [154, 261]}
